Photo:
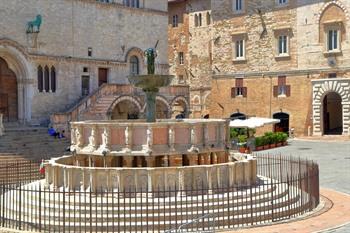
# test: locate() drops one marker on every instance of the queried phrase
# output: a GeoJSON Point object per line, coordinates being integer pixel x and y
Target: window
{"type": "Point", "coordinates": [175, 21]}
{"type": "Point", "coordinates": [46, 79]}
{"type": "Point", "coordinates": [282, 45]}
{"type": "Point", "coordinates": [239, 89]}
{"type": "Point", "coordinates": [282, 89]}
{"type": "Point", "coordinates": [332, 75]}
{"type": "Point", "coordinates": [282, 2]}
{"type": "Point", "coordinates": [196, 20]}
{"type": "Point", "coordinates": [132, 3]}
{"type": "Point", "coordinates": [89, 52]}
{"type": "Point", "coordinates": [134, 65]}
{"type": "Point", "coordinates": [40, 79]}
{"type": "Point", "coordinates": [53, 79]}
{"type": "Point", "coordinates": [181, 58]}
{"type": "Point", "coordinates": [200, 20]}
{"type": "Point", "coordinates": [239, 50]}
{"type": "Point", "coordinates": [238, 5]}
{"type": "Point", "coordinates": [208, 18]}
{"type": "Point", "coordinates": [333, 40]}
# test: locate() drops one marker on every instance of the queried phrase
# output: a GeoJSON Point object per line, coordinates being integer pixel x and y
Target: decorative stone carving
{"type": "Point", "coordinates": [194, 148]}
{"type": "Point", "coordinates": [149, 142]}
{"type": "Point", "coordinates": [171, 138]}
{"type": "Point", "coordinates": [92, 140]}
{"type": "Point", "coordinates": [2, 130]}
{"type": "Point", "coordinates": [128, 137]}
{"type": "Point", "coordinates": [105, 140]}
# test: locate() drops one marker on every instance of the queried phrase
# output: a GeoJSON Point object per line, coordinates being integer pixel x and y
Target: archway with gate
{"type": "Point", "coordinates": [331, 106]}
{"type": "Point", "coordinates": [332, 114]}
{"type": "Point", "coordinates": [8, 92]}
{"type": "Point", "coordinates": [283, 126]}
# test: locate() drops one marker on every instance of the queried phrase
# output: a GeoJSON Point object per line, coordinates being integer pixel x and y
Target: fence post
{"type": "Point", "coordinates": [40, 207]}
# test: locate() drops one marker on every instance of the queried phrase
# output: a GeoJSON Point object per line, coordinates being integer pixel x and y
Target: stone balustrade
{"type": "Point", "coordinates": [2, 129]}
{"type": "Point", "coordinates": [77, 177]}
{"type": "Point", "coordinates": [138, 138]}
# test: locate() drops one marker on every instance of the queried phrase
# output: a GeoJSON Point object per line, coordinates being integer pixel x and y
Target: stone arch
{"type": "Point", "coordinates": [186, 106]}
{"type": "Point", "coordinates": [16, 58]}
{"type": "Point", "coordinates": [330, 3]}
{"type": "Point", "coordinates": [139, 54]}
{"type": "Point", "coordinates": [121, 99]}
{"type": "Point", "coordinates": [162, 100]}
{"type": "Point", "coordinates": [320, 89]}
{"type": "Point", "coordinates": [330, 86]}
{"type": "Point", "coordinates": [333, 13]}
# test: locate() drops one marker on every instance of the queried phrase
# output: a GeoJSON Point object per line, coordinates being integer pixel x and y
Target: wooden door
{"type": "Point", "coordinates": [102, 76]}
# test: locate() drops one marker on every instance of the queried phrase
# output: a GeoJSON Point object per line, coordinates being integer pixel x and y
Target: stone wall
{"type": "Point", "coordinates": [68, 30]}
{"type": "Point", "coordinates": [306, 24]}
{"type": "Point", "coordinates": [196, 43]}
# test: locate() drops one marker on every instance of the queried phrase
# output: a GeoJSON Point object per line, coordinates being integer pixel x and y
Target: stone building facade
{"type": "Point", "coordinates": [81, 45]}
{"type": "Point", "coordinates": [283, 59]}
{"type": "Point", "coordinates": [189, 43]}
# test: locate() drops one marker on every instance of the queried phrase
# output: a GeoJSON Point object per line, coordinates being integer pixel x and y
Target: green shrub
{"type": "Point", "coordinates": [269, 137]}
{"type": "Point", "coordinates": [259, 141]}
{"type": "Point", "coordinates": [242, 139]}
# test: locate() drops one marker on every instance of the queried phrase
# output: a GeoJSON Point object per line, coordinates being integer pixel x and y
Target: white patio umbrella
{"type": "Point", "coordinates": [253, 122]}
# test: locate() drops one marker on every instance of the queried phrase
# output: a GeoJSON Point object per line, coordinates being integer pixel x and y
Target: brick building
{"type": "Point", "coordinates": [283, 59]}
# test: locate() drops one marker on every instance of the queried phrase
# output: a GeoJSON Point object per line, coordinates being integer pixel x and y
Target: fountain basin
{"type": "Point", "coordinates": [150, 82]}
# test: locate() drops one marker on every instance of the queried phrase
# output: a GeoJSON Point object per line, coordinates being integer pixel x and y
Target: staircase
{"type": "Point", "coordinates": [97, 104]}
{"type": "Point", "coordinates": [145, 212]}
{"type": "Point", "coordinates": [30, 143]}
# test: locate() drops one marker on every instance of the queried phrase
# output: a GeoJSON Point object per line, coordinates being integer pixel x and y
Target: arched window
{"type": "Point", "coordinates": [208, 18]}
{"type": "Point", "coordinates": [53, 79]}
{"type": "Point", "coordinates": [196, 20]}
{"type": "Point", "coordinates": [47, 79]}
{"type": "Point", "coordinates": [200, 19]}
{"type": "Point", "coordinates": [40, 79]}
{"type": "Point", "coordinates": [238, 115]}
{"type": "Point", "coordinates": [127, 2]}
{"type": "Point", "coordinates": [134, 65]}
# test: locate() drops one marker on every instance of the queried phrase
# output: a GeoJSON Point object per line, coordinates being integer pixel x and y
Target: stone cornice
{"type": "Point", "coordinates": [105, 62]}
{"type": "Point", "coordinates": [122, 7]}
{"type": "Point", "coordinates": [281, 72]}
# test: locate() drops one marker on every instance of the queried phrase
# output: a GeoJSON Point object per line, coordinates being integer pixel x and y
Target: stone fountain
{"type": "Point", "coordinates": [149, 155]}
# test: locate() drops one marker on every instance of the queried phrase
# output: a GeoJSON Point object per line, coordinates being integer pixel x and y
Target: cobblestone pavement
{"type": "Point", "coordinates": [333, 159]}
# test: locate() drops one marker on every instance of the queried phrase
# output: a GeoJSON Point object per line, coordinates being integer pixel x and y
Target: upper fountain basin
{"type": "Point", "coordinates": [150, 81]}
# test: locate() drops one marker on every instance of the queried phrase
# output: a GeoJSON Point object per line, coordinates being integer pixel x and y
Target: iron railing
{"type": "Point", "coordinates": [287, 187]}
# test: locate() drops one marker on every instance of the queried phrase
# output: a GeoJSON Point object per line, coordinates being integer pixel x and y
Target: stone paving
{"type": "Point", "coordinates": [334, 161]}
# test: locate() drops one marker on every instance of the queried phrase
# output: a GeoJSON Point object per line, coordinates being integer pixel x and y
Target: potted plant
{"type": "Point", "coordinates": [273, 140]}
{"type": "Point", "coordinates": [279, 138]}
{"type": "Point", "coordinates": [265, 142]}
{"type": "Point", "coordinates": [284, 139]}
{"type": "Point", "coordinates": [259, 144]}
{"type": "Point", "coordinates": [242, 141]}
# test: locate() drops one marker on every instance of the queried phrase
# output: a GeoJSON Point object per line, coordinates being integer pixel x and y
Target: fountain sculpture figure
{"type": "Point", "coordinates": [151, 83]}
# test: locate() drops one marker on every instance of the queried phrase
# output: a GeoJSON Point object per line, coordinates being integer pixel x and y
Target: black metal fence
{"type": "Point", "coordinates": [287, 187]}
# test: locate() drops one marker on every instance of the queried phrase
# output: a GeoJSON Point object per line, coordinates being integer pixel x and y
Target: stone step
{"type": "Point", "coordinates": [120, 225]}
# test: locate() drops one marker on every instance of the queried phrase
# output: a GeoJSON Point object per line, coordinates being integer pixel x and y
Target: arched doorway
{"type": "Point", "coordinates": [162, 110]}
{"type": "Point", "coordinates": [8, 92]}
{"type": "Point", "coordinates": [124, 110]}
{"type": "Point", "coordinates": [332, 114]}
{"type": "Point", "coordinates": [283, 126]}
{"type": "Point", "coordinates": [179, 109]}
{"type": "Point", "coordinates": [238, 115]}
